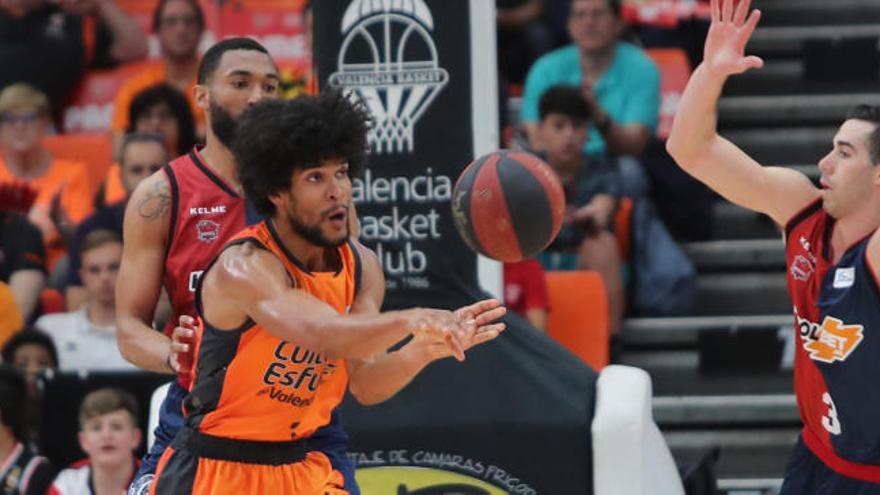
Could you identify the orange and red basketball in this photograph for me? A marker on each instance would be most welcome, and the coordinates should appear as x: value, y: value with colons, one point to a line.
x: 508, y: 205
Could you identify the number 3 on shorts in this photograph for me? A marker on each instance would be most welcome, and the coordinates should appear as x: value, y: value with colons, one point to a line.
x: 829, y: 421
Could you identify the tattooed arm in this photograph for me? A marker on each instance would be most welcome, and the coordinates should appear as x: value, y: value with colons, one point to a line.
x: 139, y: 282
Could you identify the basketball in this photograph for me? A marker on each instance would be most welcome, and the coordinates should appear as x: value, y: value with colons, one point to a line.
x: 508, y: 205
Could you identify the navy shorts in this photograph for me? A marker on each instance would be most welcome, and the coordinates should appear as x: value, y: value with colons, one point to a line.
x: 807, y: 474
x: 330, y: 439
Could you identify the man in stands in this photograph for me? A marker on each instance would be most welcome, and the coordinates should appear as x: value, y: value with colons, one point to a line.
x: 178, y: 25
x: 142, y: 155
x: 86, y: 338
x: 49, y: 44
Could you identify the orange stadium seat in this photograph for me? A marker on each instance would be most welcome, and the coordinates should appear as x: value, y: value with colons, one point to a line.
x: 675, y: 69
x: 94, y: 150
x: 10, y: 317
x: 578, y: 316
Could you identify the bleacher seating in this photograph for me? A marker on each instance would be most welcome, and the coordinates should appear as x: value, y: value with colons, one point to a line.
x: 578, y: 317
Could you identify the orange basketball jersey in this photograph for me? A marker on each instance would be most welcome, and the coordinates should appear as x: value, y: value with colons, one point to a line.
x: 251, y: 385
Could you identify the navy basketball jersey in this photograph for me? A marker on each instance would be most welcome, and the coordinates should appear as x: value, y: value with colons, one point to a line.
x: 837, y: 361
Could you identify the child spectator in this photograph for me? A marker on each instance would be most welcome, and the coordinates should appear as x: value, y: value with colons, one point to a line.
x: 22, y: 472
x: 591, y: 189
x: 109, y: 435
x: 86, y: 338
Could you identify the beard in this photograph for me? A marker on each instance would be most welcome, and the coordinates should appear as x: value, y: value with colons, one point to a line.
x: 223, y: 124
x: 313, y: 234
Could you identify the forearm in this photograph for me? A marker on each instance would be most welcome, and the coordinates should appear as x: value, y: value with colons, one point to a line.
x: 129, y: 42
x: 538, y: 318
x: 380, y: 379
x: 143, y: 346
x: 696, y: 121
x: 26, y: 286
x: 341, y: 336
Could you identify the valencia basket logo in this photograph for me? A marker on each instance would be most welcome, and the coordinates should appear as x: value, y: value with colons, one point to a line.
x: 388, y: 59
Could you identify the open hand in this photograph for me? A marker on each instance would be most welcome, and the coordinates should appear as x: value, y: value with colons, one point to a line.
x: 728, y: 34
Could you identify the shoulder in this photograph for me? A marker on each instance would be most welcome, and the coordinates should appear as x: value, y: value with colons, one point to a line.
x: 634, y: 58
x: 52, y: 322
x: 72, y: 479
x: 556, y: 59
x: 247, y: 265
x: 151, y: 198
x: 150, y: 74
x: 369, y: 260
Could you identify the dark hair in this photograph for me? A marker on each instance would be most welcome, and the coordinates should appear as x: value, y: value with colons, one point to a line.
x: 869, y: 113
x: 211, y: 58
x: 615, y: 5
x: 276, y: 137
x: 567, y: 100
x: 13, y: 392
x: 157, y: 13
x: 98, y: 238
x: 177, y: 103
x: 105, y: 401
x: 140, y: 137
x: 27, y: 336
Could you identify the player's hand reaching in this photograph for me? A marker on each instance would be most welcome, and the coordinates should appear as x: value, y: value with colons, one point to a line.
x: 728, y: 34
x: 468, y: 326
x: 182, y: 349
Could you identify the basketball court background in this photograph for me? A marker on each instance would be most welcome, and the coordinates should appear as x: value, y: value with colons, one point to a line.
x: 514, y: 417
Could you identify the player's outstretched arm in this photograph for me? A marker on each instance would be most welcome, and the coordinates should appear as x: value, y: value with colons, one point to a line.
x: 250, y: 282
x: 140, y: 275
x: 380, y: 377
x: 694, y: 141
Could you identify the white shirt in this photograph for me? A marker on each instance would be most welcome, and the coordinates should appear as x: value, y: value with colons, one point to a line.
x: 82, y: 345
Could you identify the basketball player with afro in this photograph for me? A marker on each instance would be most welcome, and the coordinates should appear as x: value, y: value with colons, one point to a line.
x: 290, y: 314
x: 833, y: 253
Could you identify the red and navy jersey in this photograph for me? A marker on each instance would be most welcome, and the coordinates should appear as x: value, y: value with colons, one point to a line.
x: 837, y: 309
x: 205, y: 213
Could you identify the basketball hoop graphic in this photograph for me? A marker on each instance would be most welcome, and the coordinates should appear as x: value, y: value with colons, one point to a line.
x: 389, y: 60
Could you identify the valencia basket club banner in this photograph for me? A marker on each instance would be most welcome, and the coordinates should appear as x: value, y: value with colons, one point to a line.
x: 515, y: 416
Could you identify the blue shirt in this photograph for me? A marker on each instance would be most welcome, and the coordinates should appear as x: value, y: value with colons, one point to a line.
x: 629, y: 90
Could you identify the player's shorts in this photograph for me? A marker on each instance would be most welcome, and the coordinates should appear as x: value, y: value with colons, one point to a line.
x: 807, y: 474
x: 330, y: 439
x: 202, y: 464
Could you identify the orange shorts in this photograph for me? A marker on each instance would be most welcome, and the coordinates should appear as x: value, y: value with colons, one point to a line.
x: 182, y: 472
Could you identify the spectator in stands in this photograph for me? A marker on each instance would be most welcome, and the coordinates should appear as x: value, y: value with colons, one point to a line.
x: 22, y: 471
x: 48, y: 44
x: 23, y: 260
x: 591, y: 186
x: 178, y: 25
x: 620, y: 82
x: 158, y: 109
x: 295, y: 82
x: 109, y: 435
x: 63, y: 194
x: 86, y: 338
x: 32, y: 352
x: 142, y: 155
x: 522, y: 37
x: 525, y: 292
x: 164, y: 109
